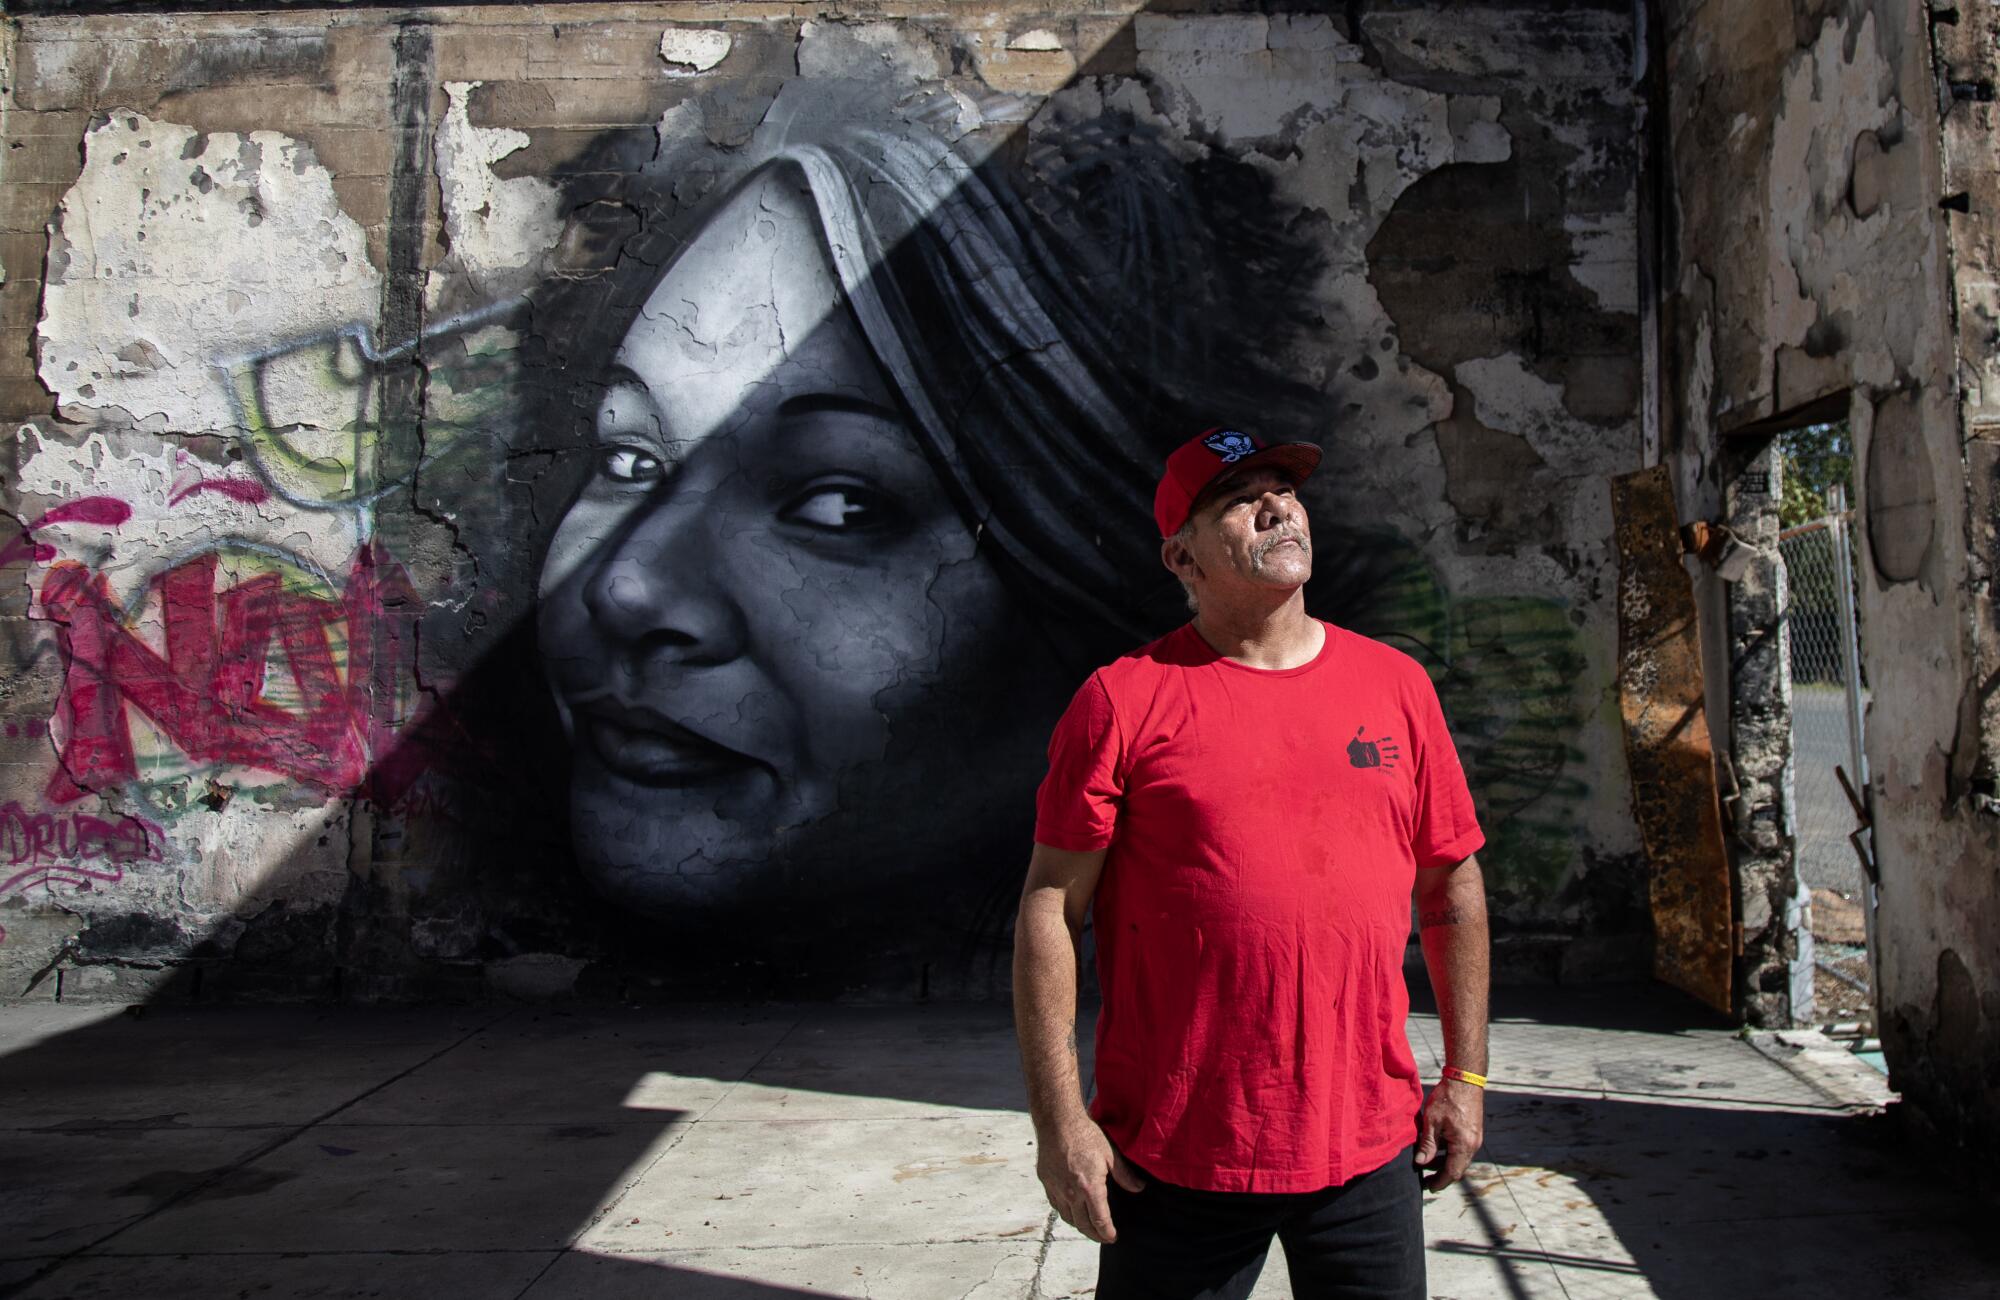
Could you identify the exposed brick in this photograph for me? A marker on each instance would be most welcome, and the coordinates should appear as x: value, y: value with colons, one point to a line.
x: 293, y: 110
x: 50, y: 74
x: 124, y: 72
x: 361, y: 49
x: 1035, y: 72
x: 17, y: 353
x: 23, y: 399
x: 48, y: 159
x: 365, y: 198
x: 595, y: 50
x: 22, y: 314
x: 28, y: 206
x: 23, y: 123
x: 572, y: 104
x: 552, y: 151
x: 1107, y: 46
x: 352, y: 151
x: 471, y: 54
x: 21, y: 253
x: 124, y: 984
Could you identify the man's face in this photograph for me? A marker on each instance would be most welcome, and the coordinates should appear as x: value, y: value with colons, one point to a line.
x: 1250, y: 529
x: 758, y: 607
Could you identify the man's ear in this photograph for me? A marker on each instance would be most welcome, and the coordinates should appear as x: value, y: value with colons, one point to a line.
x: 1180, y: 561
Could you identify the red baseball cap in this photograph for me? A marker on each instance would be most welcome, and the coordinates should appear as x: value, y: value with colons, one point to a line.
x: 1208, y: 455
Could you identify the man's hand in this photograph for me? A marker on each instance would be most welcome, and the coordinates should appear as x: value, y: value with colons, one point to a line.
x: 1449, y: 1131
x: 1451, y: 909
x: 1073, y: 1164
x: 1072, y: 1155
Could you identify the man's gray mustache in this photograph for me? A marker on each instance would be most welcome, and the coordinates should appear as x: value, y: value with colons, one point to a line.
x: 1263, y: 548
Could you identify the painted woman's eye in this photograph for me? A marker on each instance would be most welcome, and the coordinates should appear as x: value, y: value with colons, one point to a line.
x: 630, y: 465
x: 841, y: 507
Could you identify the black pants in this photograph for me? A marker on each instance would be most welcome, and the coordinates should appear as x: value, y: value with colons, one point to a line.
x: 1362, y: 1240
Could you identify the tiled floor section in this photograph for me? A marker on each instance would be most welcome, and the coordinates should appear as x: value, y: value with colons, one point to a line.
x: 768, y: 1152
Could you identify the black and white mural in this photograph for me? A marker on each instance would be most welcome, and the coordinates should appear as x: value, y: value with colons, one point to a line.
x: 873, y: 430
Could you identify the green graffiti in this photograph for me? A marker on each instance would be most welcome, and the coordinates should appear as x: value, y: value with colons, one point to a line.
x: 333, y: 422
x: 1506, y: 669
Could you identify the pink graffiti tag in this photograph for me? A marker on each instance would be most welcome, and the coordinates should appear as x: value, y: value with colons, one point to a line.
x: 248, y: 491
x: 206, y: 693
x: 106, y: 512
x: 75, y: 848
x: 62, y: 846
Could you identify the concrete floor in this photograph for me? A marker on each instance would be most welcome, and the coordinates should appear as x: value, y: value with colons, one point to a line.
x: 725, y: 1153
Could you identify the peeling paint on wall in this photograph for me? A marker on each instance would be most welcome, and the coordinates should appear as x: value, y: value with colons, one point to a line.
x: 138, y: 303
x: 499, y: 231
x: 1823, y: 250
x: 693, y: 49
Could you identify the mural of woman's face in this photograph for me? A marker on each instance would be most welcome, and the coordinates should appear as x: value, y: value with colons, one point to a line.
x: 780, y: 662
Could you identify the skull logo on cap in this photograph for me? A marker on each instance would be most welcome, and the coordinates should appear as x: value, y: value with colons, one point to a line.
x: 1229, y: 445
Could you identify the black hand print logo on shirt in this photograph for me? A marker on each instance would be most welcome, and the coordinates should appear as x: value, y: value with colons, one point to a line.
x: 1380, y: 752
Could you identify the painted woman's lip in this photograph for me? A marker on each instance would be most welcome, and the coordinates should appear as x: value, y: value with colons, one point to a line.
x: 649, y: 749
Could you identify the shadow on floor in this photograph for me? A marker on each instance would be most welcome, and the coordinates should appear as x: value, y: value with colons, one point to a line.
x: 336, y: 1152
x: 331, y: 1151
x: 1650, y: 1155
x: 1685, y: 1201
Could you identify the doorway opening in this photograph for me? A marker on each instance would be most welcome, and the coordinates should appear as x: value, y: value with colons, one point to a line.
x: 1829, y: 699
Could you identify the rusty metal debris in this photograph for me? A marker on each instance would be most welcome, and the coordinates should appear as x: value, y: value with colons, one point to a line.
x: 1667, y: 745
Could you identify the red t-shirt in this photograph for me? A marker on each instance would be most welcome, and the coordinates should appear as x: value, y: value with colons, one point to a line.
x: 1264, y: 829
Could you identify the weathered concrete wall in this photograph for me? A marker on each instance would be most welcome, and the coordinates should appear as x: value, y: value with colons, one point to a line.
x: 360, y: 642
x: 1823, y: 243
x: 1792, y: 293
x: 1941, y: 984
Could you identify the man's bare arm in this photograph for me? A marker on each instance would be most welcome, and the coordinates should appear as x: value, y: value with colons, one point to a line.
x: 1451, y: 921
x: 1073, y: 1157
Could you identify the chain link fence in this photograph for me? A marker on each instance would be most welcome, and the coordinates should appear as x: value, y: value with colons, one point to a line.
x: 1822, y: 737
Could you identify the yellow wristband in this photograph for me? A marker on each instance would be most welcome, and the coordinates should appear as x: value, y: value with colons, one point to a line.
x: 1463, y: 1076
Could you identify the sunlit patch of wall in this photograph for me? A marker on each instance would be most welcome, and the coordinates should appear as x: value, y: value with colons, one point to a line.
x: 315, y: 314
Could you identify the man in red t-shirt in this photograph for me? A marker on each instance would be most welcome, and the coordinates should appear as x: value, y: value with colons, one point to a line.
x: 1246, y: 808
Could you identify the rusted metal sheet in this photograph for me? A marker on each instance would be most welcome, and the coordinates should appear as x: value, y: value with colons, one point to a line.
x: 1667, y: 743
